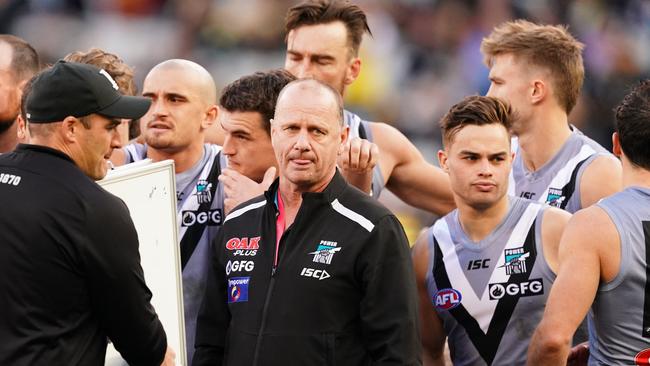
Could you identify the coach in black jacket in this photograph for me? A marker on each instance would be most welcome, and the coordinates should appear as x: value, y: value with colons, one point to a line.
x: 337, y: 287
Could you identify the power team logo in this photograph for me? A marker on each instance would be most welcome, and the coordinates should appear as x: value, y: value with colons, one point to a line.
x: 203, y: 194
x: 243, y: 246
x: 555, y: 197
x: 447, y: 299
x: 642, y: 358
x: 515, y: 261
x: 238, y: 289
x: 325, y: 252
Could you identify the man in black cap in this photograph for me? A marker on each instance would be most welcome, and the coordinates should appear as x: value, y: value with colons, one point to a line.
x: 70, y: 273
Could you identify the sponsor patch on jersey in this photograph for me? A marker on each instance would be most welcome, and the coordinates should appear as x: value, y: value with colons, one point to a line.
x: 209, y: 217
x: 243, y: 246
x: 515, y: 261
x: 555, y: 197
x: 447, y: 299
x: 239, y: 266
x: 531, y: 287
x: 325, y: 251
x: 319, y: 274
x: 238, y: 289
x: 203, y: 194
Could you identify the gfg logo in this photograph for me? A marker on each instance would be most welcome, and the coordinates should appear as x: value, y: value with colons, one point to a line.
x: 521, y: 289
x: 447, y: 298
x: 210, y: 217
x: 235, y: 266
x: 319, y: 274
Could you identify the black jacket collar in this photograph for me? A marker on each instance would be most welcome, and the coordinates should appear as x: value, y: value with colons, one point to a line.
x: 43, y: 149
x: 329, y: 194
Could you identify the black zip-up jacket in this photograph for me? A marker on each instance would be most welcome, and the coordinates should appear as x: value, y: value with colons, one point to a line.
x: 70, y: 273
x: 343, y: 292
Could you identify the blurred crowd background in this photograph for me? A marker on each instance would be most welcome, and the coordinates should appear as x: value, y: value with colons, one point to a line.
x: 423, y: 56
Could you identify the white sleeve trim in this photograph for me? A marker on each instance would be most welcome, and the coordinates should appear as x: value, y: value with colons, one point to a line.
x: 365, y: 223
x: 243, y: 210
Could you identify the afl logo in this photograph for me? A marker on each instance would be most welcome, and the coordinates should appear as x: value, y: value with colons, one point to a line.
x: 447, y: 299
x: 642, y: 358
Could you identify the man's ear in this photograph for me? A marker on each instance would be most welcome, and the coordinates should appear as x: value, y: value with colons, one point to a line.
x: 69, y: 129
x: 210, y: 117
x: 538, y: 91
x: 353, y: 70
x: 616, y: 145
x: 442, y: 159
x: 345, y: 134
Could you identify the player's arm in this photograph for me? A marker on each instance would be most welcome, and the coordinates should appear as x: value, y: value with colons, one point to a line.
x: 554, y: 222
x: 410, y: 177
x: 388, y: 306
x: 602, y: 178
x: 589, y: 239
x: 431, y: 331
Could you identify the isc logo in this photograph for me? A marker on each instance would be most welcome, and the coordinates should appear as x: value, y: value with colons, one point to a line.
x: 319, y: 274
x: 447, y: 298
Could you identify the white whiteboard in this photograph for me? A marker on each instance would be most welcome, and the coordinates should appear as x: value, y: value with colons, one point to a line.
x: 149, y: 191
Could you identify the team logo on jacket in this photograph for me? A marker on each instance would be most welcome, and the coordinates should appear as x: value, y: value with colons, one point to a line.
x: 238, y: 289
x: 515, y: 261
x: 325, y: 252
x: 447, y: 299
x: 555, y: 197
x: 203, y: 194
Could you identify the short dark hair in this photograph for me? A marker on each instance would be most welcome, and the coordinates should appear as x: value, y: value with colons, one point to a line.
x: 327, y: 11
x: 475, y: 110
x: 633, y: 125
x: 256, y: 93
x: 24, y: 59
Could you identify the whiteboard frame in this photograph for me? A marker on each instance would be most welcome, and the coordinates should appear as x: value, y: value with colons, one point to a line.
x: 137, y: 170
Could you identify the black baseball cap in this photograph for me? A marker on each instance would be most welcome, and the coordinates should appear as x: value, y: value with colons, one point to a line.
x: 76, y: 89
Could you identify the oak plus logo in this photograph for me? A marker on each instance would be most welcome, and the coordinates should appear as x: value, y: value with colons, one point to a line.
x: 243, y: 246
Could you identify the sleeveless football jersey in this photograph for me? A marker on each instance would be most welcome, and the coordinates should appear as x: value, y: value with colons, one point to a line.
x: 490, y: 295
x: 200, y: 215
x: 619, y: 320
x: 557, y: 182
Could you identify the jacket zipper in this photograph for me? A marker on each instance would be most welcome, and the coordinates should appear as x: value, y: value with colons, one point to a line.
x: 267, y: 300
